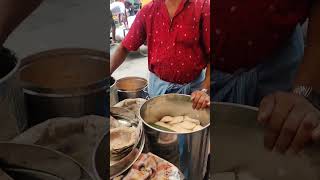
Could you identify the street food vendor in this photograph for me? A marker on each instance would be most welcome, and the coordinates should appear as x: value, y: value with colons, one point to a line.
x: 260, y: 54
x: 178, y: 37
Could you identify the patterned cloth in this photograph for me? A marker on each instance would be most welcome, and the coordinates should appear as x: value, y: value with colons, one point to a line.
x: 250, y: 86
x: 247, y: 32
x: 178, y: 48
x: 159, y: 87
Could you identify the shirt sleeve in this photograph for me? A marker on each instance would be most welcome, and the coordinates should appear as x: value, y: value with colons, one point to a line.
x: 205, y: 27
x: 137, y: 33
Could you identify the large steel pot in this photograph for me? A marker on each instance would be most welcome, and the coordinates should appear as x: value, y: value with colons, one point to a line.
x: 132, y: 87
x: 239, y: 147
x: 12, y: 107
x: 188, y: 151
x: 65, y: 82
x: 33, y: 162
x: 113, y: 92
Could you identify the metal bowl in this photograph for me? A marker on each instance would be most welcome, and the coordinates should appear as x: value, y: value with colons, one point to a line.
x: 132, y: 87
x: 188, y: 151
x: 239, y: 147
x: 21, y: 160
x: 171, y: 105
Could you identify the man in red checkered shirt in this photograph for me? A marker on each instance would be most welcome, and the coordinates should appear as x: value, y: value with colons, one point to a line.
x: 178, y: 37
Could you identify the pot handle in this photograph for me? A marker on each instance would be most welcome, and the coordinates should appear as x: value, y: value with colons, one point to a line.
x: 145, y: 91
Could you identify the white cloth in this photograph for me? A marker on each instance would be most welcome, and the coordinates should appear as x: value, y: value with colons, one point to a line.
x: 117, y: 8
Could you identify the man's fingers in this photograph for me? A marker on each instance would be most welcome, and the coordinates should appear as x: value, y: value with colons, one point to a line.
x: 266, y: 108
x: 195, y: 100
x: 200, y: 102
x: 282, y: 107
x: 205, y: 103
x: 193, y: 95
x: 289, y: 129
x: 304, y: 133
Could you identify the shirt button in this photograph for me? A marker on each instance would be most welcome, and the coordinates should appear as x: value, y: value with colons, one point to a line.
x: 233, y: 9
x: 272, y: 8
x: 218, y: 31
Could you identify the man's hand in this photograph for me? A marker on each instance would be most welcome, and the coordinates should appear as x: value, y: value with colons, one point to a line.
x: 291, y: 122
x: 200, y: 100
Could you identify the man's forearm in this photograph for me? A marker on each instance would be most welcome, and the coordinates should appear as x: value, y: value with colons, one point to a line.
x: 12, y: 13
x: 309, y: 73
x: 118, y: 57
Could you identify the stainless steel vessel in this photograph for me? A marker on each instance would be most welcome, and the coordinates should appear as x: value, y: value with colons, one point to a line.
x: 113, y: 92
x: 239, y: 147
x: 65, y: 82
x: 188, y: 151
x: 12, y: 108
x: 132, y: 87
x: 23, y: 162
